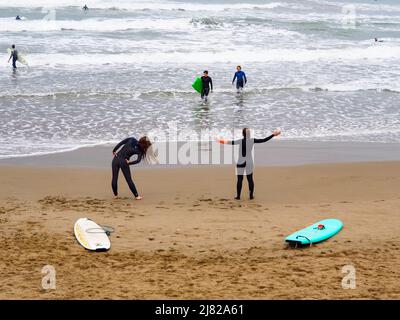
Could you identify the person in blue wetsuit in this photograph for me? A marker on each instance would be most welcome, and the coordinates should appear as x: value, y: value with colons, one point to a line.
x: 240, y: 78
x: 128, y: 147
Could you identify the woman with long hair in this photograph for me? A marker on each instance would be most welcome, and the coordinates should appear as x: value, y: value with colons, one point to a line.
x: 245, y: 163
x: 128, y: 148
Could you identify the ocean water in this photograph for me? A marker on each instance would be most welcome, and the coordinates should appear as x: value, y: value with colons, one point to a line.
x: 125, y: 67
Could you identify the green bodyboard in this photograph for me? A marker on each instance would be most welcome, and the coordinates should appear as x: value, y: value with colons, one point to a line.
x: 197, y: 85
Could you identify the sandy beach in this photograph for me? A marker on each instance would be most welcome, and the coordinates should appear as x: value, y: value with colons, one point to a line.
x: 315, y: 83
x: 189, y: 239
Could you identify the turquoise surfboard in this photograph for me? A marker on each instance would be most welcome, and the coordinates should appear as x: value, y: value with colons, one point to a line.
x: 197, y: 85
x: 315, y: 233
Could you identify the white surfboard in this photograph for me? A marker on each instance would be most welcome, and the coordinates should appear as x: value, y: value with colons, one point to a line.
x: 20, y: 58
x: 91, y: 236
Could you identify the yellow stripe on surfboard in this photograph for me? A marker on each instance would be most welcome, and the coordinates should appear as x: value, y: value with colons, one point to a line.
x: 81, y: 236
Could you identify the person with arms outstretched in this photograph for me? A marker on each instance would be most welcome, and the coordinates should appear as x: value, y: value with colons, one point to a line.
x: 240, y: 78
x: 128, y: 148
x: 245, y: 163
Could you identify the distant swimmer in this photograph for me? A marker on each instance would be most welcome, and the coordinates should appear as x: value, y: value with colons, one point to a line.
x: 245, y: 162
x: 129, y: 147
x: 18, y: 18
x: 377, y: 40
x: 206, y: 85
x: 85, y: 7
x: 13, y: 56
x: 240, y: 78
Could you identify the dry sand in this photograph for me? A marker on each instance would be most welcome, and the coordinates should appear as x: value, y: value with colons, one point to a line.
x: 189, y: 239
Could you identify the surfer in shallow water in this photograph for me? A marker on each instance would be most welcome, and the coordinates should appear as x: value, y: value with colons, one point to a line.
x: 245, y: 163
x: 13, y: 56
x: 128, y: 148
x: 240, y: 78
x: 206, y: 85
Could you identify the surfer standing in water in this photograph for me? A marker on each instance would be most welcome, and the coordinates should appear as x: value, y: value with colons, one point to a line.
x: 240, y: 78
x: 13, y: 56
x: 130, y: 147
x: 207, y: 84
x: 245, y: 163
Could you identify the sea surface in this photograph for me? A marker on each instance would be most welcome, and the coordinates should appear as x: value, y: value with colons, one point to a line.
x: 125, y: 68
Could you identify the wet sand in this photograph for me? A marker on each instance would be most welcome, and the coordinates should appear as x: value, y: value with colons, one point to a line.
x: 277, y: 152
x: 189, y: 239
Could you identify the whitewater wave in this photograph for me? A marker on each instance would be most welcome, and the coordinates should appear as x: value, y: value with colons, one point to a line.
x: 134, y: 94
x: 142, y: 5
x: 200, y: 57
x: 375, y: 7
x: 95, y: 25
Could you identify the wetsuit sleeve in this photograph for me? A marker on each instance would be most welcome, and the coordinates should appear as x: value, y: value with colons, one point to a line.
x: 263, y: 140
x: 234, y: 77
x: 222, y: 141
x: 211, y: 84
x: 119, y: 145
x: 138, y: 159
x: 245, y: 78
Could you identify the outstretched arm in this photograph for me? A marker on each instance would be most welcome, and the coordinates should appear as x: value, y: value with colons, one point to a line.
x: 264, y: 140
x: 274, y: 134
x: 119, y: 145
x: 233, y: 142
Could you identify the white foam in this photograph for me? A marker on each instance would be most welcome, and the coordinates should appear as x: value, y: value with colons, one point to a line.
x: 242, y: 55
x: 96, y: 25
x: 141, y: 5
x: 377, y: 6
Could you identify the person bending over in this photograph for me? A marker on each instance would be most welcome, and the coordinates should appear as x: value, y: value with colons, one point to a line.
x: 128, y: 148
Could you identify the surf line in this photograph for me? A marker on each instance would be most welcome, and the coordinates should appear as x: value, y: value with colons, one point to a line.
x: 165, y: 310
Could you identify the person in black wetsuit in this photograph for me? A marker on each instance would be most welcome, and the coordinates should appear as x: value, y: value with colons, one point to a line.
x: 245, y: 163
x: 129, y: 147
x: 206, y: 85
x: 14, y: 56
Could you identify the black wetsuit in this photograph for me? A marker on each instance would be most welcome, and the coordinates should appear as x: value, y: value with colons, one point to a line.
x: 14, y: 54
x: 130, y: 147
x: 245, y: 163
x: 207, y: 83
